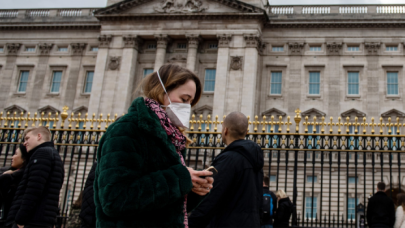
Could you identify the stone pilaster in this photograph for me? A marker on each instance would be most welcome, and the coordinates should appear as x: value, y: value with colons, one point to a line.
x: 6, y: 80
x: 193, y: 42
x: 13, y: 48
x: 221, y: 75
x: 44, y: 48
x: 36, y: 94
x: 72, y: 81
x: 162, y: 41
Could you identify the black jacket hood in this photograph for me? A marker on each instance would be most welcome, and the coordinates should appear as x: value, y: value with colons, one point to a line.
x: 248, y: 149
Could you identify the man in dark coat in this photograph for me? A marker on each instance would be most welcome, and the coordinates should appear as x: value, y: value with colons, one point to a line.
x: 380, y: 209
x: 36, y: 201
x: 267, y: 218
x: 236, y: 198
x: 88, y: 211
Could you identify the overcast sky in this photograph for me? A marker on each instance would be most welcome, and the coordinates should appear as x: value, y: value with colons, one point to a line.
x: 29, y: 4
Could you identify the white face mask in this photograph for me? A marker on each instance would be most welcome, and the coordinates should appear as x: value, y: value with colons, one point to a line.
x: 179, y: 113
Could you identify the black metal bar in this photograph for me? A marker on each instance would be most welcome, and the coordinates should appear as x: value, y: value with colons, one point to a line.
x: 338, y: 197
x: 313, y: 186
x: 365, y: 183
x: 303, y: 191
x: 347, y: 186
x: 278, y: 168
x: 330, y: 186
x: 399, y: 170
x: 286, y: 170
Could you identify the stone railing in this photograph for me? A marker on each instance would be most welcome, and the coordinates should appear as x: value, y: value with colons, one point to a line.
x: 41, y: 13
x: 338, y: 9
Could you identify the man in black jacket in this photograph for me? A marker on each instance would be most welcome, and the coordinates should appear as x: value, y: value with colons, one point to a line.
x: 88, y: 211
x: 236, y: 198
x: 267, y: 216
x: 380, y: 209
x: 36, y: 201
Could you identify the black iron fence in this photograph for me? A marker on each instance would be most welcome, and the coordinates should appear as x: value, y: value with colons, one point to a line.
x: 329, y: 170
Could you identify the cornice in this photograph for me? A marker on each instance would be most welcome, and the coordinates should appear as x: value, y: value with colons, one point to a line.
x: 51, y: 27
x: 291, y: 25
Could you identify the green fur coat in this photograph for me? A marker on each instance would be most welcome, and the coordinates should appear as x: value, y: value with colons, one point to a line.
x: 140, y: 181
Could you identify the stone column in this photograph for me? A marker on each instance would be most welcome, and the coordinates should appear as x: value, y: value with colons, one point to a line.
x: 126, y: 76
x: 7, y: 74
x: 193, y: 41
x: 221, y: 75
x: 99, y: 73
x: 162, y: 41
x: 250, y: 74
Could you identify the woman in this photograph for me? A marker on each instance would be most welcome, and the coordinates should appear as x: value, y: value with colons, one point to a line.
x: 400, y: 214
x: 10, y: 179
x: 284, y: 210
x: 141, y: 177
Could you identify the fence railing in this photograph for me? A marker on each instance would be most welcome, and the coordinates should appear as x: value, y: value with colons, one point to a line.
x: 327, y: 168
x: 338, y: 9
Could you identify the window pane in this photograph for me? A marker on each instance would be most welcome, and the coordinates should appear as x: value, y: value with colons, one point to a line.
x: 353, y: 83
x: 310, y: 209
x: 353, y: 48
x: 89, y: 82
x: 278, y: 49
x: 392, y: 83
x: 56, y: 79
x: 273, y: 178
x: 1, y: 49
x: 209, y: 80
x: 391, y: 48
x: 213, y: 46
x: 30, y: 49
x: 146, y: 72
x: 22, y: 87
x: 276, y: 82
x: 181, y: 45
x: 314, y: 82
x: 351, y: 207
x: 63, y: 49
x: 315, y: 48
x: 94, y: 49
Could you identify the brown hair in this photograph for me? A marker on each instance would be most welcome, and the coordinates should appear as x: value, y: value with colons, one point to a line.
x: 78, y: 203
x: 172, y: 76
x: 266, y: 180
x: 381, y: 186
x: 401, y: 200
x: 44, y: 131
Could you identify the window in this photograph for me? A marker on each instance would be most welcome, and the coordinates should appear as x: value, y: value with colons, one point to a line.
x: 1, y: 49
x: 81, y: 125
x: 310, y: 209
x: 22, y: 84
x: 277, y: 48
x: 63, y: 49
x: 314, y: 82
x: 151, y: 46
x: 315, y: 48
x: 311, y: 179
x: 30, y: 49
x: 392, y: 83
x: 311, y: 128
x: 209, y: 80
x: 89, y: 82
x: 275, y: 128
x: 276, y: 83
x: 353, y: 48
x: 351, y: 208
x: 391, y: 48
x: 181, y: 45
x: 95, y: 49
x: 353, y: 83
x: 353, y: 180
x: 273, y: 178
x: 213, y: 46
x: 56, y: 80
x: 147, y: 72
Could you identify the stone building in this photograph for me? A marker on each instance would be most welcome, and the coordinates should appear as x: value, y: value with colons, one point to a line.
x: 328, y: 61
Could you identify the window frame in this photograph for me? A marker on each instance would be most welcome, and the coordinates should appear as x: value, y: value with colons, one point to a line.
x: 388, y: 84
x: 389, y: 46
x: 85, y: 82
x: 308, y: 198
x: 52, y: 81
x: 355, y: 204
x: 398, y: 70
x: 313, y: 46
x: 205, y: 79
x: 349, y: 47
x: 319, y: 84
x: 19, y: 81
x: 360, y: 70
x: 280, y: 83
x: 274, y: 48
x: 27, y: 49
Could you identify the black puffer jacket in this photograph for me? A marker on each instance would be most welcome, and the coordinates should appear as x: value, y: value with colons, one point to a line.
x: 88, y: 212
x: 380, y: 211
x: 236, y: 199
x: 36, y: 200
x: 8, y: 188
x: 283, y: 213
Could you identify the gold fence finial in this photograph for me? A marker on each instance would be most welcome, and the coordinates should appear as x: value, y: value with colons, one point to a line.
x: 6, y: 119
x: 70, y: 120
x: 93, y: 119
x: 314, y: 124
x: 381, y: 125
x: 255, y: 123
x: 364, y: 125
x: 192, y: 122
x: 389, y: 125
x: 306, y: 123
x: 56, y: 120
x: 372, y: 125
x: 216, y: 122
x: 288, y: 123
x: 64, y: 115
x: 323, y: 124
x: 108, y: 120
x: 99, y: 121
x: 28, y: 119
x: 280, y: 124
x: 199, y: 122
x: 272, y: 124
x: 208, y: 123
x: 339, y: 124
x: 356, y: 124
x: 347, y: 124
x: 263, y: 123
x: 21, y: 119
x: 249, y: 123
x: 297, y: 120
x: 13, y: 119
x: 34, y: 120
x: 331, y: 124
x: 398, y: 125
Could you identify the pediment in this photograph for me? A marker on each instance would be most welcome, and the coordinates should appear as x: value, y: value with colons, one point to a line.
x: 48, y: 109
x: 393, y: 113
x: 353, y: 113
x: 134, y: 7
x: 202, y: 109
x: 81, y: 109
x: 15, y: 108
x: 274, y: 112
x: 313, y: 112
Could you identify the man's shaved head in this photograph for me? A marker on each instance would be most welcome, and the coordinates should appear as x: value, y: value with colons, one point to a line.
x: 237, y: 125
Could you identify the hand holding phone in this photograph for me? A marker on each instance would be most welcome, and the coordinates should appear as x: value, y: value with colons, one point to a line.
x: 211, y: 169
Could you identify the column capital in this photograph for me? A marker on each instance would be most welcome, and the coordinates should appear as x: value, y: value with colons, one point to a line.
x: 223, y: 40
x: 162, y: 40
x: 78, y: 48
x: 296, y: 48
x: 333, y: 48
x: 132, y: 41
x: 193, y: 40
x: 372, y: 47
x: 104, y: 41
x: 12, y: 48
x: 44, y: 48
x: 252, y: 40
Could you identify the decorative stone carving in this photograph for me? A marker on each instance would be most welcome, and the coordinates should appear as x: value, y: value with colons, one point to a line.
x: 296, y: 48
x: 181, y: 6
x: 114, y: 63
x: 78, y: 48
x: 252, y: 40
x: 193, y: 40
x: 44, y: 48
x: 333, y: 48
x: 262, y: 47
x: 313, y: 112
x: 132, y: 41
x: 104, y: 40
x: 236, y: 62
x: 162, y: 40
x: 353, y: 112
x: 223, y: 40
x: 13, y: 48
x: 372, y: 47
x: 177, y: 59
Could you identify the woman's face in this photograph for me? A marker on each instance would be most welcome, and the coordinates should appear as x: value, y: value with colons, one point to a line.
x: 17, y: 160
x: 182, y: 94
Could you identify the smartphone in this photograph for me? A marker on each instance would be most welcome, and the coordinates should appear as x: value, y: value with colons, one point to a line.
x: 211, y: 169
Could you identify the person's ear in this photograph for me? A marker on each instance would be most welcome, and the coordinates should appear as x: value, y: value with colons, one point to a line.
x: 225, y: 131
x: 39, y: 137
